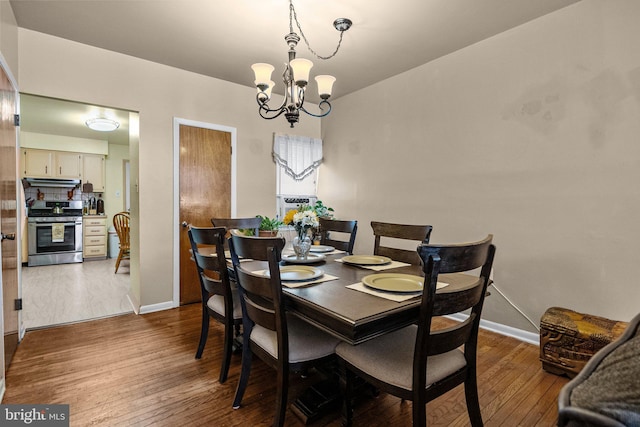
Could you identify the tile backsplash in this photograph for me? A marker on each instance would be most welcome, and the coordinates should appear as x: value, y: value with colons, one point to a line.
x: 53, y: 193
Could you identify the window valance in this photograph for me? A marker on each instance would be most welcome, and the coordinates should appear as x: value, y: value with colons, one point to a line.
x: 299, y: 156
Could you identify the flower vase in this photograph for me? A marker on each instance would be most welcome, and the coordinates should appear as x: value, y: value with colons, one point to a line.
x: 301, y: 247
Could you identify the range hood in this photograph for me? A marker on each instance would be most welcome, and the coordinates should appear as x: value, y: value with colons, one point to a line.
x: 52, y: 182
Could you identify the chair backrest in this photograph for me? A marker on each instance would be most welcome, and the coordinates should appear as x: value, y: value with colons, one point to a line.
x: 252, y: 223
x: 121, y: 224
x: 442, y: 259
x: 207, y: 247
x: 338, y: 226
x: 260, y: 295
x: 419, y: 233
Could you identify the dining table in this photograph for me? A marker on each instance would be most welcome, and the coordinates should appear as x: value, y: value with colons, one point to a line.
x: 336, y: 300
x: 338, y: 303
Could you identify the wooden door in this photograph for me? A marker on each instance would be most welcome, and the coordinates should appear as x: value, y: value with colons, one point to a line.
x: 8, y: 217
x: 205, y: 192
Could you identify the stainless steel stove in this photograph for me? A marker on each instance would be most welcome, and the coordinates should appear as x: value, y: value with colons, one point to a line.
x: 54, y: 230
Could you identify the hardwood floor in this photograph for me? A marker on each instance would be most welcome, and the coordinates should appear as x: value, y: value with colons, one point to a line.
x: 140, y: 371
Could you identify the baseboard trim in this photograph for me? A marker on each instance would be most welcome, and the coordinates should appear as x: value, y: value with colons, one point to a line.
x: 144, y: 309
x: 519, y: 334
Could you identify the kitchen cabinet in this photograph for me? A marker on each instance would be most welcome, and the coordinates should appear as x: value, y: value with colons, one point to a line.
x: 51, y: 164
x: 94, y: 171
x: 68, y: 165
x: 94, y: 232
x: 37, y: 163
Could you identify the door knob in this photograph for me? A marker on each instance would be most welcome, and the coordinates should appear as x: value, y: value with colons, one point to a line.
x: 10, y: 236
x: 184, y: 224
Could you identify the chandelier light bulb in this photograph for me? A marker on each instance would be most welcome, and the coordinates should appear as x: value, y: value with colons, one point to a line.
x: 325, y: 85
x: 265, y: 95
x: 301, y: 68
x: 263, y: 73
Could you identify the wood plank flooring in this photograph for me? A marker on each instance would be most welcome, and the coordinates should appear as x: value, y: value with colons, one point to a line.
x: 140, y: 371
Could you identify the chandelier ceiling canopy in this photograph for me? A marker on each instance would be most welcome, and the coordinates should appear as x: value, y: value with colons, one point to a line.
x: 295, y: 77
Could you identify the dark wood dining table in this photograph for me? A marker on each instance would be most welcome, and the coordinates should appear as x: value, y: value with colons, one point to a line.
x: 355, y: 316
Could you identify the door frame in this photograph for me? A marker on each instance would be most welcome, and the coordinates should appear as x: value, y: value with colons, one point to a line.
x: 19, y: 202
x: 176, y: 189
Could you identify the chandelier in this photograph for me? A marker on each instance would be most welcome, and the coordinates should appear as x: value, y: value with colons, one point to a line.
x: 295, y: 77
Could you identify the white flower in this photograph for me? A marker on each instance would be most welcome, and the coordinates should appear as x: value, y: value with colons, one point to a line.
x: 305, y: 219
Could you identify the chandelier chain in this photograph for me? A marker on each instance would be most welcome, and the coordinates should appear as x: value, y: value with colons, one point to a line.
x: 294, y: 16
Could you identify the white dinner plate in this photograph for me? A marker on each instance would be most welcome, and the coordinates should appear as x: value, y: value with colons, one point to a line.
x: 366, y: 260
x: 297, y: 273
x: 394, y: 282
x: 311, y: 259
x: 321, y: 248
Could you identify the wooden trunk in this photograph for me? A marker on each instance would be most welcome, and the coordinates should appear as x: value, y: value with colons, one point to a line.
x: 568, y: 339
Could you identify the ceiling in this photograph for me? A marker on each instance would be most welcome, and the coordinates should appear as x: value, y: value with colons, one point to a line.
x: 67, y: 118
x: 222, y: 38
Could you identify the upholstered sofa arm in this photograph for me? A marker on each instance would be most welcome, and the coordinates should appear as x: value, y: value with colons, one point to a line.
x: 607, y: 391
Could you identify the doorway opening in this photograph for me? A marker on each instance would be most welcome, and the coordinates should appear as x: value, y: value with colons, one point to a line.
x: 64, y: 293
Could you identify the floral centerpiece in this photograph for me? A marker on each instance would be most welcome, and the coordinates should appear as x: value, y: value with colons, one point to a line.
x: 304, y: 220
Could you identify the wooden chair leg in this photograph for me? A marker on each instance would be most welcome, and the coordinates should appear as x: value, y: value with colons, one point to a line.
x: 281, y: 397
x: 118, y: 260
x: 473, y: 403
x: 226, y: 351
x: 419, y: 410
x: 247, y: 355
x: 204, y: 332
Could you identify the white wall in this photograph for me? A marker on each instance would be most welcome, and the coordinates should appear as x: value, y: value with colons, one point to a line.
x: 532, y: 136
x: 55, y: 67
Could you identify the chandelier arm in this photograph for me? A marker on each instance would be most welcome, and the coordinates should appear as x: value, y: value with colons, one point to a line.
x: 264, y: 106
x: 292, y: 12
x: 265, y: 116
x: 324, y: 113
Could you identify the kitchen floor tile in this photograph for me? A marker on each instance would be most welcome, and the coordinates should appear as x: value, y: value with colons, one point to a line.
x: 64, y: 293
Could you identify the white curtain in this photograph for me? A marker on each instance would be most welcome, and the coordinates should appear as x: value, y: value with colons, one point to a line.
x: 299, y: 156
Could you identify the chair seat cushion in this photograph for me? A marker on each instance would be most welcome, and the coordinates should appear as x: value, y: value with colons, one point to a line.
x: 390, y: 358
x: 306, y: 342
x: 216, y: 303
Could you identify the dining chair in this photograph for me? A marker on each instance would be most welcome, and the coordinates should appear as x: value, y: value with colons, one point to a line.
x: 416, y: 363
x: 121, y: 224
x: 219, y: 300
x: 420, y: 233
x: 282, y: 341
x: 251, y: 223
x: 328, y: 225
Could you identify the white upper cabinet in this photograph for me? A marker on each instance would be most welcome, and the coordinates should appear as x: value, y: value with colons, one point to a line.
x: 51, y: 164
x: 94, y: 171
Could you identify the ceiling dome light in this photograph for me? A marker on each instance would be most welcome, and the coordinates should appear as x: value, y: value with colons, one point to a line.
x: 103, y: 125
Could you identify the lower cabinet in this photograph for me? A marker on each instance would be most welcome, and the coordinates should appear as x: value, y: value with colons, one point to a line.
x: 94, y: 232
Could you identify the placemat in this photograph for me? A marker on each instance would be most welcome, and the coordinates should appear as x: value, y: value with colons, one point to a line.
x: 392, y: 264
x: 387, y: 295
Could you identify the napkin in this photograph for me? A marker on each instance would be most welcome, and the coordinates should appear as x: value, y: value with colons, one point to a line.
x: 392, y: 264
x: 300, y: 283
x: 387, y: 295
